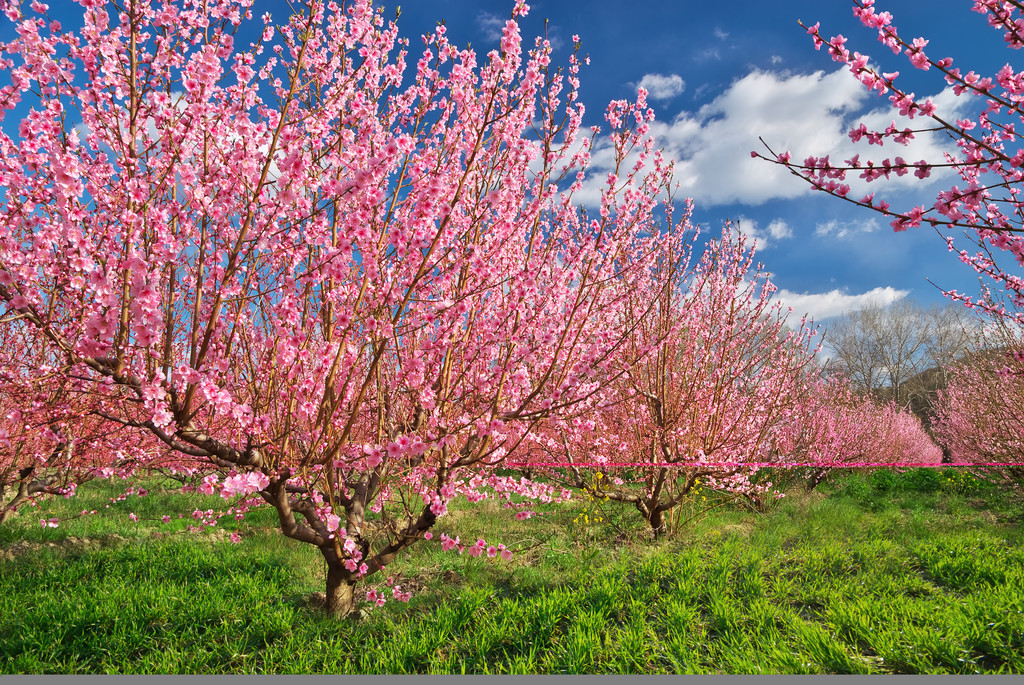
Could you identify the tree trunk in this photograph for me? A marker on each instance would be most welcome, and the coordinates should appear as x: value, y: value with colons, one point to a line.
x: 654, y: 516
x: 816, y: 479
x: 657, y: 522
x: 341, y: 595
x: 10, y: 510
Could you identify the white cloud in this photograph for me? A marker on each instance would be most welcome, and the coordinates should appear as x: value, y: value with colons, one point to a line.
x: 491, y: 25
x: 837, y: 229
x: 776, y: 230
x: 819, y: 306
x: 779, y: 229
x: 720, y: 34
x: 805, y: 114
x: 661, y: 86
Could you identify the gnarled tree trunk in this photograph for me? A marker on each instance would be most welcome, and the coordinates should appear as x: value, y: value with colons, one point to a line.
x: 341, y: 589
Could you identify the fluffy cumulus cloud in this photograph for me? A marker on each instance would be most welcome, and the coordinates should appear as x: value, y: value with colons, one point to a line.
x: 661, y: 86
x: 779, y: 229
x: 491, y: 24
x: 820, y: 306
x: 712, y: 146
x: 806, y: 114
x: 766, y: 237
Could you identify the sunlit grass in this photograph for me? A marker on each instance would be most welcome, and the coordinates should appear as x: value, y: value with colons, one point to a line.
x: 877, y: 574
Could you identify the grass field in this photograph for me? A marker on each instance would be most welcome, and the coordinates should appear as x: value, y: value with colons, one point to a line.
x: 919, y: 572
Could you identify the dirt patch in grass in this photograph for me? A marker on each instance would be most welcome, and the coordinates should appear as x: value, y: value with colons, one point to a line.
x: 81, y: 545
x: 69, y: 545
x: 988, y: 517
x: 802, y: 499
x: 742, y: 530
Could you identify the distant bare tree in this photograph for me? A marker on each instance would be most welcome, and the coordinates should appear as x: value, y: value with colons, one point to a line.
x: 952, y: 331
x: 902, y: 340
x: 852, y: 344
x: 900, y: 351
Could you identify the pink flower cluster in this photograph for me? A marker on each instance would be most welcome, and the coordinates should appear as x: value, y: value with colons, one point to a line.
x: 476, y: 549
x: 244, y: 484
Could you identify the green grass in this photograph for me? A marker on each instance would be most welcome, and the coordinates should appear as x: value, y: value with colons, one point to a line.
x: 897, y: 573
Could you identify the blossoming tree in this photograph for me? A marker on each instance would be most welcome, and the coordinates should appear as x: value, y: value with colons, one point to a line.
x: 350, y: 291
x: 978, y: 415
x: 51, y: 438
x: 707, y: 406
x: 836, y: 428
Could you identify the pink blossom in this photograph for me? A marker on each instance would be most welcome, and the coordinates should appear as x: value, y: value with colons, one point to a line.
x: 374, y: 456
x: 209, y: 484
x: 333, y: 522
x: 244, y: 484
x: 447, y: 543
x: 916, y: 54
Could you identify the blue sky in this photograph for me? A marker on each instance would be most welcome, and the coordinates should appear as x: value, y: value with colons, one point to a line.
x: 723, y: 73
x: 720, y: 75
